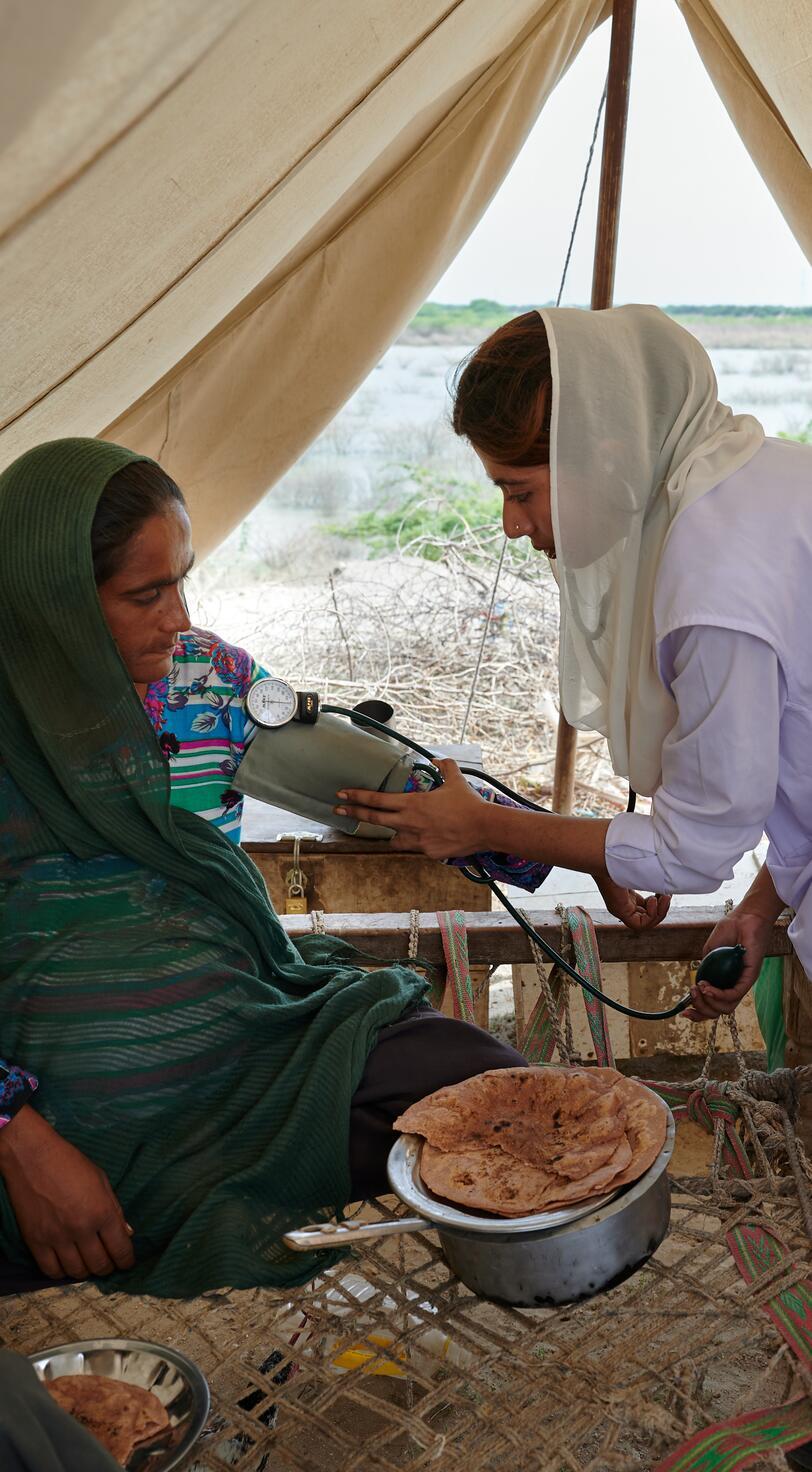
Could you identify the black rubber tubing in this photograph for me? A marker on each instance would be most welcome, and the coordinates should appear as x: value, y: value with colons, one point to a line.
x: 476, y: 873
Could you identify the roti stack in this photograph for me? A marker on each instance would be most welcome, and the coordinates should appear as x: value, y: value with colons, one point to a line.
x: 119, y: 1415
x: 516, y: 1141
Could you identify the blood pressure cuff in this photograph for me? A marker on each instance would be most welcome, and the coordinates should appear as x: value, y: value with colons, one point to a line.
x: 301, y: 768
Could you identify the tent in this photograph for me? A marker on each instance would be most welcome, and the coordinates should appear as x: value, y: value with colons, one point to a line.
x: 215, y: 215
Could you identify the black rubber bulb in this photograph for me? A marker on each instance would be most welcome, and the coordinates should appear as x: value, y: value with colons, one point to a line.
x: 722, y: 967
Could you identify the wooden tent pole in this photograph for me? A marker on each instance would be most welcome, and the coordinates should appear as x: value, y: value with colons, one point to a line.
x: 614, y: 143
x: 603, y: 281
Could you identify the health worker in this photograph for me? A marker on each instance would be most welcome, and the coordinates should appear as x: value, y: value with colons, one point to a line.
x: 680, y: 538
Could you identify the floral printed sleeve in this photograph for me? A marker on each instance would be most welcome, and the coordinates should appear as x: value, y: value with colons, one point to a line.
x: 505, y: 868
x: 17, y: 1086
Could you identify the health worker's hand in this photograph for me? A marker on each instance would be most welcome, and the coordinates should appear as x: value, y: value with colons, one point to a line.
x: 740, y: 928
x: 445, y: 824
x: 627, y: 905
x: 68, y: 1216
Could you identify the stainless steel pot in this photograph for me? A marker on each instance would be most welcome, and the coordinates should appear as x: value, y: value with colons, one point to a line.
x: 533, y: 1261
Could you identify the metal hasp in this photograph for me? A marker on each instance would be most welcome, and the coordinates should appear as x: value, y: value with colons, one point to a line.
x: 603, y: 282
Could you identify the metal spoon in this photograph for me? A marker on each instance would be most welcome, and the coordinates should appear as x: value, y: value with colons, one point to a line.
x: 337, y: 1234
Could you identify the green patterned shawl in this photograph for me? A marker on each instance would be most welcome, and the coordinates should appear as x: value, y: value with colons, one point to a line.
x: 181, y: 1041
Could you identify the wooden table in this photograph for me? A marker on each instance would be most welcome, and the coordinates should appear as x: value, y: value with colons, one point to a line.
x: 346, y: 875
x: 648, y: 969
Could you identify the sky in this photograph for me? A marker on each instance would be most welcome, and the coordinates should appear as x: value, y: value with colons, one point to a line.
x: 697, y: 222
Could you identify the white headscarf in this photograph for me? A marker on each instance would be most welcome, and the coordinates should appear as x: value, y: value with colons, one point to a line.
x: 637, y: 435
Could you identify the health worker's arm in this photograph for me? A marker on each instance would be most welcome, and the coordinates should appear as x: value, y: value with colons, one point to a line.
x: 454, y: 821
x: 749, y: 925
x: 720, y: 765
x: 720, y: 772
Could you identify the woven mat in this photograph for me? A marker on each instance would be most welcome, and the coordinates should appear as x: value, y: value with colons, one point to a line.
x: 389, y: 1362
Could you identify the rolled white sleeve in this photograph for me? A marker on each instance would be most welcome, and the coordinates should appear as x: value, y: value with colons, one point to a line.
x: 720, y: 766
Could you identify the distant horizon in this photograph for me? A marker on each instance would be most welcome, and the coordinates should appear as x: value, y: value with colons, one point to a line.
x: 708, y: 309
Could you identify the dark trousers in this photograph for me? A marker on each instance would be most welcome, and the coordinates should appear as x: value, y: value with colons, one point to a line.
x: 414, y: 1056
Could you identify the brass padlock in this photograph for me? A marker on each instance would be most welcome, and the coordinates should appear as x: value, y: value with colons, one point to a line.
x: 296, y: 902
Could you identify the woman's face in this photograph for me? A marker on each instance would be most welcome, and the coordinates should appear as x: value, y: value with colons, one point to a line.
x: 527, y: 511
x: 143, y: 601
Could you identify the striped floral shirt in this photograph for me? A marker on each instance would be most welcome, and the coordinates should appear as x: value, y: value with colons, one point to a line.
x: 198, y: 714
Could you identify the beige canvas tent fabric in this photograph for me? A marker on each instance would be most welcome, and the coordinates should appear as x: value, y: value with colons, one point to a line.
x: 759, y: 56
x: 213, y: 285
x: 216, y: 214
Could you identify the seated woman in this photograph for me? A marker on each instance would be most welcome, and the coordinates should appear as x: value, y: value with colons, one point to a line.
x: 182, y: 1084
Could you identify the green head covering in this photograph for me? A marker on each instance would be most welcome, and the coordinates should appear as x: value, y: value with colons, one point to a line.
x: 73, y: 732
x: 67, y: 705
x: 181, y: 1040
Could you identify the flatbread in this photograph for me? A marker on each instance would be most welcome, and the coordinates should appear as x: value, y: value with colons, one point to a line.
x: 119, y: 1415
x: 495, y: 1182
x: 485, y: 1180
x: 646, y: 1129
x: 517, y: 1141
x: 598, y: 1183
x: 533, y: 1114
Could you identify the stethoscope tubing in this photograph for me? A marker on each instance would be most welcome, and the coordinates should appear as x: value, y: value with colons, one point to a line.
x: 475, y: 872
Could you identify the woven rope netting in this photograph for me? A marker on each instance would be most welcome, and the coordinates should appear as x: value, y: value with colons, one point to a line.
x: 389, y: 1362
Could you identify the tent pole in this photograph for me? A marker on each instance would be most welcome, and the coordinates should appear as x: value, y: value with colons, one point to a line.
x: 603, y: 281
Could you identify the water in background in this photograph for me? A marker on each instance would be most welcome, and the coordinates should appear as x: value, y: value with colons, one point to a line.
x: 399, y: 419
x: 775, y: 384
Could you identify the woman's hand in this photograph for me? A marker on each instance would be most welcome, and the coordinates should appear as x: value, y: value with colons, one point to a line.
x: 445, y: 824
x: 68, y: 1216
x: 741, y: 927
x: 630, y: 907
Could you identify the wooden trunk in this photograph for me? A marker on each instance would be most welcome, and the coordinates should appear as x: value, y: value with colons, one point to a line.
x: 345, y: 875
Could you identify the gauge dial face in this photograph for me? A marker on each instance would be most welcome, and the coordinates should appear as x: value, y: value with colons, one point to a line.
x: 271, y: 702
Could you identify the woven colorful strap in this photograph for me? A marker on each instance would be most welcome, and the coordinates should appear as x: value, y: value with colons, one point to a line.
x: 737, y: 1443
x: 538, y: 1041
x: 458, y: 971
x: 587, y: 960
x: 757, y: 1250
x: 744, y: 1440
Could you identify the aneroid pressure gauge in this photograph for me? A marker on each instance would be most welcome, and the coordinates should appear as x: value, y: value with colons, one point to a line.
x: 273, y: 702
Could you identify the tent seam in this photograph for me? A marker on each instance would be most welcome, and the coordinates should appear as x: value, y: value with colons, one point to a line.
x: 70, y: 179
x: 234, y: 224
x: 237, y: 317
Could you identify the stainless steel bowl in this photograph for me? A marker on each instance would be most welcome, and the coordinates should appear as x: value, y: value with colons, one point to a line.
x: 176, y: 1381
x: 403, y: 1170
x: 537, y: 1261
